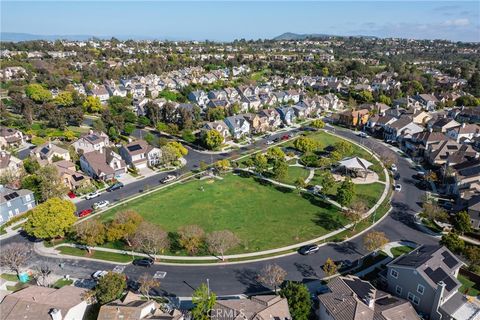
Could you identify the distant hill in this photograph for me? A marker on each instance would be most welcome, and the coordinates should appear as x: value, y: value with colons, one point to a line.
x: 296, y: 36
x: 17, y: 37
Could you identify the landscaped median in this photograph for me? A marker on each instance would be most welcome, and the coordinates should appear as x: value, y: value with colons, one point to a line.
x: 268, y: 219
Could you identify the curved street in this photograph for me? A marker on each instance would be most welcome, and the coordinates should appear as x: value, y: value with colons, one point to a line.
x: 241, y: 278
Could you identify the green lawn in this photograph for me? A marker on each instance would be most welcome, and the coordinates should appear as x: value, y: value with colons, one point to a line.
x: 62, y: 283
x: 469, y: 287
x: 9, y: 277
x: 398, y: 251
x: 102, y: 255
x: 293, y: 174
x: 260, y: 215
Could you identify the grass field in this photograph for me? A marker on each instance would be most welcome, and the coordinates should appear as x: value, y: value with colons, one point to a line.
x: 398, y: 251
x: 260, y: 215
x: 293, y: 174
x: 102, y: 255
x: 468, y: 286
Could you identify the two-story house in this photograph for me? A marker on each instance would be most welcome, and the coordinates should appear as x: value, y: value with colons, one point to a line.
x: 427, y: 277
x: 14, y: 202
x: 50, y: 152
x: 257, y: 124
x: 238, y: 125
x: 273, y: 118
x: 464, y: 133
x: 9, y: 163
x: 287, y: 114
x: 354, y: 118
x: 10, y: 137
x: 105, y: 164
x: 140, y: 154
x: 92, y: 141
x: 402, y: 128
x: 220, y: 126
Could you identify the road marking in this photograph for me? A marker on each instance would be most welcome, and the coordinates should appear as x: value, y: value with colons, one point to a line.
x: 159, y: 275
x: 118, y: 269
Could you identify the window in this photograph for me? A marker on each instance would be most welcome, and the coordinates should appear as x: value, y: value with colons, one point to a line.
x: 29, y: 206
x: 10, y: 213
x: 420, y: 289
x: 413, y: 298
x: 27, y: 197
x: 9, y: 204
x: 394, y: 273
x: 398, y: 290
x: 17, y: 211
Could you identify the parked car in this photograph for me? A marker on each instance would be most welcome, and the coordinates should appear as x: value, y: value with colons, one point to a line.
x: 308, y: 249
x: 92, y: 195
x: 101, y: 204
x: 168, y: 179
x: 84, y: 213
x: 143, y: 262
x: 99, y: 274
x: 115, y: 186
x: 363, y: 135
x: 276, y: 139
x: 398, y: 187
x: 393, y: 167
x: 396, y: 176
x: 269, y: 142
x: 285, y: 137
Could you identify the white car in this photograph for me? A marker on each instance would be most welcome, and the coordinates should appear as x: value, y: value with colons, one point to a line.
x: 269, y: 142
x: 398, y: 187
x: 363, y: 135
x: 99, y: 274
x: 393, y: 167
x: 101, y: 204
x: 168, y: 179
x: 92, y: 195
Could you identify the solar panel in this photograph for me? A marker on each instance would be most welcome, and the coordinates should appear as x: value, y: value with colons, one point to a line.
x: 440, y: 275
x: 11, y: 196
x: 45, y: 150
x: 449, y: 260
x: 135, y: 147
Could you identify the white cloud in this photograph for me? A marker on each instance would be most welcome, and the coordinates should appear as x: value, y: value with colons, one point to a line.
x: 462, y: 22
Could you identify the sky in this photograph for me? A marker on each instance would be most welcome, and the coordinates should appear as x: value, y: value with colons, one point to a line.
x: 229, y: 20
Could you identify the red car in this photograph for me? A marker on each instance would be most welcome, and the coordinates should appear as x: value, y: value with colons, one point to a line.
x: 84, y: 213
x: 285, y: 137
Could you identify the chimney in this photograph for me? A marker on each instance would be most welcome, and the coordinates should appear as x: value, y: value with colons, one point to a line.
x: 463, y: 125
x: 56, y: 314
x: 90, y: 131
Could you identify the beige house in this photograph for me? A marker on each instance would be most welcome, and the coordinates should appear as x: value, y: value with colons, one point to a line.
x: 49, y: 152
x: 70, y: 176
x: 93, y: 141
x: 10, y: 137
x: 257, y: 124
x: 9, y: 163
x: 103, y: 165
x: 421, y: 117
x: 257, y: 307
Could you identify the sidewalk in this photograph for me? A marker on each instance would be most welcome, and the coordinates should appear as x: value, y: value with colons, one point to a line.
x: 10, y: 231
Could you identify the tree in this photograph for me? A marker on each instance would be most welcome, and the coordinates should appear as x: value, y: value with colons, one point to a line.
x: 110, y: 287
x: 319, y: 124
x: 462, y: 223
x: 92, y: 104
x: 219, y: 242
x: 275, y: 154
x: 327, y: 182
x: 453, y: 242
x: 346, y: 192
x: 42, y: 275
x: 300, y: 184
x: 147, y: 282
x: 344, y: 148
x: 212, y: 139
x: 179, y: 149
x: 298, y: 298
x: 375, y: 240
x: 355, y: 212
x: 280, y: 170
x: 31, y: 165
x: 51, y: 219
x: 64, y: 99
x: 272, y: 276
x: 434, y: 212
x: 15, y: 256
x: 150, y: 239
x: 204, y: 301
x: 330, y: 268
x: 191, y: 238
x: 260, y: 162
x: 90, y: 233
x: 431, y: 176
x: 385, y: 99
x: 38, y: 93
x: 124, y: 226
x: 215, y: 114
x: 50, y: 183
x: 473, y: 254
x: 365, y: 96
x: 305, y: 144
x: 222, y: 165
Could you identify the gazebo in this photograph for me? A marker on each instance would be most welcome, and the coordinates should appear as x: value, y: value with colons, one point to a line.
x: 355, y: 165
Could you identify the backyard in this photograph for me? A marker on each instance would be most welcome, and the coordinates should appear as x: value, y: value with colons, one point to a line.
x: 258, y: 213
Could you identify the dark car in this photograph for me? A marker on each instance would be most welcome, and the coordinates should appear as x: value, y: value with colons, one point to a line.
x: 144, y: 262
x: 308, y: 249
x: 396, y: 176
x: 115, y: 186
x: 276, y: 139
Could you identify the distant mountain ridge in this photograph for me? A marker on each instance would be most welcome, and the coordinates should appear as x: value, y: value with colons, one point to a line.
x: 17, y: 37
x: 297, y: 36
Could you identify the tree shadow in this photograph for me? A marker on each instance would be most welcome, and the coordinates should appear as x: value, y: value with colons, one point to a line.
x: 306, y: 270
x: 249, y: 278
x: 327, y: 221
x: 316, y: 201
x: 174, y: 239
x: 346, y: 248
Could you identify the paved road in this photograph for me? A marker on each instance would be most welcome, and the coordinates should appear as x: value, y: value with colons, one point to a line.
x: 241, y: 278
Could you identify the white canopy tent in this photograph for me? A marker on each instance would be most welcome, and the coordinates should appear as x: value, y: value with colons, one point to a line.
x: 358, y: 165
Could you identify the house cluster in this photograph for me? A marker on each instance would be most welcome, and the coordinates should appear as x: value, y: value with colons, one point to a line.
x: 262, y: 120
x: 421, y: 284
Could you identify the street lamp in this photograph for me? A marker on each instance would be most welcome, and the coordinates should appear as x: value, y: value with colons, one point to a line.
x: 208, y: 287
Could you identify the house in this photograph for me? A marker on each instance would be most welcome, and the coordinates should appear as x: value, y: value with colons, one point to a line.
x: 473, y: 210
x: 49, y: 152
x: 427, y: 277
x: 217, y: 95
x: 9, y: 163
x: 70, y: 176
x: 199, y: 97
x: 273, y: 118
x: 420, y: 141
x: 354, y: 117
x: 220, y: 126
x: 300, y: 110
x: 255, y: 308
x: 426, y: 101
x: 464, y: 133
x: 469, y: 114
x: 449, y: 152
x: 92, y: 141
x: 420, y: 117
x: 402, y: 128
x: 350, y: 298
x: 238, y: 125
x: 442, y: 124
x: 10, y: 138
x: 287, y: 114
x: 14, y: 202
x: 99, y: 91
x: 42, y: 303
x: 465, y: 178
x: 334, y: 103
x: 140, y: 154
x: 257, y: 123
x: 103, y: 165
